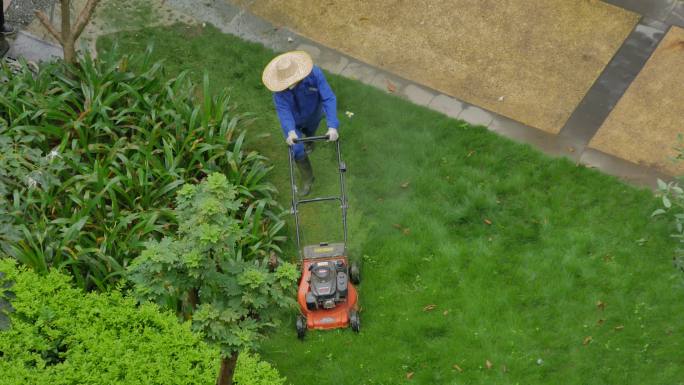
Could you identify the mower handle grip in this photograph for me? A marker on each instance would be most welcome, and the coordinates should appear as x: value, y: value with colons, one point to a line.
x: 311, y: 139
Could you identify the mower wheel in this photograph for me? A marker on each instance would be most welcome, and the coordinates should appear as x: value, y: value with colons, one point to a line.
x: 355, y: 273
x: 301, y: 327
x: 354, y: 321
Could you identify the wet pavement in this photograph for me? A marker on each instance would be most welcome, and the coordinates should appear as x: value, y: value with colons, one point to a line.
x: 33, y: 48
x: 665, y: 11
x: 602, y: 97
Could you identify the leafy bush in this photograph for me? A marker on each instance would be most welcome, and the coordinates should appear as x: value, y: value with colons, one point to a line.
x: 672, y: 198
x: 59, y: 335
x: 91, y: 155
x: 214, y: 263
x: 252, y: 371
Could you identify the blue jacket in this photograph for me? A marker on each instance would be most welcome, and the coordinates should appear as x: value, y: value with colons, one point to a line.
x: 298, y: 106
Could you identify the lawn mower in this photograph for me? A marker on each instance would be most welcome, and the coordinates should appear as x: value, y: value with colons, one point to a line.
x: 327, y: 297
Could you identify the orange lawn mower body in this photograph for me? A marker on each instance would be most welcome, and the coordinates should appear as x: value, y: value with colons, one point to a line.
x: 327, y: 296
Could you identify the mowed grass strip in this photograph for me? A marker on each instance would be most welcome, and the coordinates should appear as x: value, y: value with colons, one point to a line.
x: 485, y: 261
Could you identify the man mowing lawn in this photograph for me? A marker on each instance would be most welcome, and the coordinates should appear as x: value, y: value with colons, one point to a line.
x: 301, y: 95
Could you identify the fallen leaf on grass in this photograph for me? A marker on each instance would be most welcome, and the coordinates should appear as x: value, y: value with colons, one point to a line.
x: 409, y: 375
x: 601, y: 305
x: 470, y: 153
x: 600, y: 321
x: 458, y: 368
x: 445, y: 312
x: 619, y: 327
x: 406, y: 231
x: 397, y: 226
x: 405, y: 185
x: 587, y: 340
x: 391, y: 87
x: 429, y: 307
x: 487, y: 221
x: 488, y: 364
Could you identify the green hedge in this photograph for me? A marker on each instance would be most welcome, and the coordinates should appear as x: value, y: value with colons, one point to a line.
x: 60, y: 335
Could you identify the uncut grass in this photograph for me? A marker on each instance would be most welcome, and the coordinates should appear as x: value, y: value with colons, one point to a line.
x: 523, y: 288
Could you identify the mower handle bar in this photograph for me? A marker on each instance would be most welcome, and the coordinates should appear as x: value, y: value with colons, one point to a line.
x: 311, y: 139
x: 342, y: 198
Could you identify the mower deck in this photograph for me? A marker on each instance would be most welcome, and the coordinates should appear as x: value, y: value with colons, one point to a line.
x: 337, y: 317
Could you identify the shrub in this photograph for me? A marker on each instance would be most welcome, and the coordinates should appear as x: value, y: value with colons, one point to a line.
x: 252, y: 371
x: 91, y: 155
x: 214, y: 263
x: 672, y: 198
x: 59, y: 335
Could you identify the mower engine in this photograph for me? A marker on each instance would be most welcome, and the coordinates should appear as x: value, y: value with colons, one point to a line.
x: 328, y: 284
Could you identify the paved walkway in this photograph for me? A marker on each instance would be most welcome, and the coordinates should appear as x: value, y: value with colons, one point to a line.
x: 574, y: 138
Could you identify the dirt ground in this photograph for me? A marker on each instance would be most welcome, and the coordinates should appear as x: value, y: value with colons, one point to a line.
x: 530, y: 60
x: 644, y: 125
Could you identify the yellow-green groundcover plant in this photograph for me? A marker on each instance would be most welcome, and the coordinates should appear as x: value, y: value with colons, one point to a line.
x: 53, y: 333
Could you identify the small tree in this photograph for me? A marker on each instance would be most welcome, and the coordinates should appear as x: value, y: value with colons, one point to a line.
x: 231, y: 291
x: 69, y: 33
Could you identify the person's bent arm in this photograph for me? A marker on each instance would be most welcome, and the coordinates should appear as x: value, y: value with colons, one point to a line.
x: 328, y: 98
x: 287, y: 122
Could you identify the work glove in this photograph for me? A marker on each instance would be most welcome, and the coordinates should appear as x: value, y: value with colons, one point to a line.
x: 332, y: 134
x: 291, y: 137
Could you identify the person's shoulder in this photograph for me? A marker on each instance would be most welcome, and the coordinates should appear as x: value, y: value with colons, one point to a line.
x: 280, y: 95
x: 316, y: 71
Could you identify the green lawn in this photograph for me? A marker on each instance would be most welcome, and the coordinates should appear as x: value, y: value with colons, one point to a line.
x: 553, y: 273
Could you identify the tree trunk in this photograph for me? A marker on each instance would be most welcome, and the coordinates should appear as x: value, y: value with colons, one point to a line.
x: 193, y: 299
x: 66, y: 18
x: 69, y: 51
x: 227, y: 370
x: 68, y: 42
x: 69, y: 33
x: 191, y: 303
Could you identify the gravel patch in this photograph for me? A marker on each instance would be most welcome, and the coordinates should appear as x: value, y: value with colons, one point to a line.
x: 21, y: 12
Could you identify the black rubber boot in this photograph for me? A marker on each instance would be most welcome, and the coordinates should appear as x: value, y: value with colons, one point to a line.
x: 309, y: 147
x: 306, y: 171
x: 6, y: 29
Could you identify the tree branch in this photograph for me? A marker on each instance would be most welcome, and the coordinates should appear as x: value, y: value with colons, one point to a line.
x: 83, y: 18
x: 45, y: 21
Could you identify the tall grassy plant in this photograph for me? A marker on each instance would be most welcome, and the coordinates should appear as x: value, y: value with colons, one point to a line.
x: 93, y: 154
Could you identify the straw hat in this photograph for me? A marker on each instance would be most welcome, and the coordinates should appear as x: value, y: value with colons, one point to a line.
x: 286, y: 69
